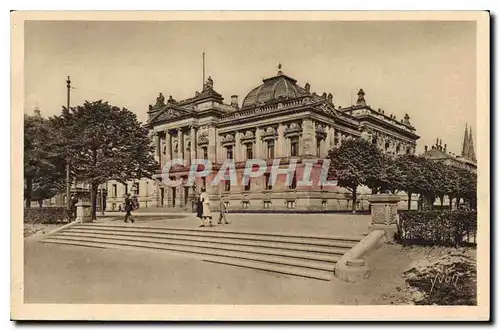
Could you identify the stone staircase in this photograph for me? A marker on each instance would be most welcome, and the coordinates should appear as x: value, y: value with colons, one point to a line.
x: 298, y: 255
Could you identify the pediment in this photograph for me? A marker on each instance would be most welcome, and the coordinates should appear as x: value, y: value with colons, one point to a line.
x: 169, y: 113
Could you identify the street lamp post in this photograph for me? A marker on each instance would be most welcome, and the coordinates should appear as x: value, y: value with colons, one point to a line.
x: 68, y: 175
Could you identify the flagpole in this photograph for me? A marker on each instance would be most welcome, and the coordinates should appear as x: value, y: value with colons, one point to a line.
x: 203, y: 83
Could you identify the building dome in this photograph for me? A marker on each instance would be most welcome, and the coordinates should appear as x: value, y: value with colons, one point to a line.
x: 280, y: 87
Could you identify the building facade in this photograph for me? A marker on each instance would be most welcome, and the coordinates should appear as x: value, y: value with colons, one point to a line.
x: 277, y: 119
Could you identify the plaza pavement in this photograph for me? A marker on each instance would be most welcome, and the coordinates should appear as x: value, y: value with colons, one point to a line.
x: 68, y: 274
x: 315, y: 224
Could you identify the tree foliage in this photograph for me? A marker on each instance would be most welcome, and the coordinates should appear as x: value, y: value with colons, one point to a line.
x: 44, y: 168
x: 357, y: 162
x: 105, y: 142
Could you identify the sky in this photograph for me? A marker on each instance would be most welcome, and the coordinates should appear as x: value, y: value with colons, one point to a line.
x: 424, y: 68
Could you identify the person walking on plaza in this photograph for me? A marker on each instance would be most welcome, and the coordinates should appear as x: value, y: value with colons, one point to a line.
x: 205, y: 199
x: 129, y: 206
x: 222, y: 210
x: 73, y: 202
x: 199, y: 211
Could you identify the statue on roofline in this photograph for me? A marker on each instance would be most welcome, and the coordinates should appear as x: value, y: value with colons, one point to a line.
x: 209, y: 85
x: 160, y: 100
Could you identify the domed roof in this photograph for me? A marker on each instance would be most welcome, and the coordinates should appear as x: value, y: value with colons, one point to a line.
x: 280, y: 87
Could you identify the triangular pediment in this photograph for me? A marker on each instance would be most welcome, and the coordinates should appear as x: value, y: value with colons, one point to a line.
x: 169, y: 113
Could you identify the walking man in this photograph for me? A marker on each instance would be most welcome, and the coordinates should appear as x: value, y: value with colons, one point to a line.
x: 222, y: 210
x: 129, y: 206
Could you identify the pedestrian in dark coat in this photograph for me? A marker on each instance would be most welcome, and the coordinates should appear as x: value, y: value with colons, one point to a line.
x: 129, y: 206
x: 199, y: 210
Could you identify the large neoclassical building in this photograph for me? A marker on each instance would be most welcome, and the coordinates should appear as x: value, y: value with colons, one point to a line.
x: 276, y: 119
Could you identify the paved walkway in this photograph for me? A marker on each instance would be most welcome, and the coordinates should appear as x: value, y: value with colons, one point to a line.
x: 314, y: 224
x: 67, y: 274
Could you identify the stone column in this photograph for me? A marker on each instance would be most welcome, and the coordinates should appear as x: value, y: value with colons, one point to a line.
x: 280, y: 142
x: 221, y: 150
x: 212, y: 145
x: 331, y: 137
x: 168, y: 155
x: 180, y: 137
x: 158, y: 151
x: 258, y: 145
x: 308, y: 137
x: 193, y: 143
x: 238, y: 148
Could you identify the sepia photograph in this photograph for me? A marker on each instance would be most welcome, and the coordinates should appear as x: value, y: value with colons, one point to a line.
x: 250, y: 166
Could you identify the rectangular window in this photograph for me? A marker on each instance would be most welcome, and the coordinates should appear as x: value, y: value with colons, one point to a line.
x: 205, y: 152
x: 249, y: 151
x: 126, y: 188
x: 270, y: 149
x: 115, y: 190
x: 229, y: 150
x: 294, y: 146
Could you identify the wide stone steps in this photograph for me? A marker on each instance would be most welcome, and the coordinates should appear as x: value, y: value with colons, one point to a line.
x: 194, y: 240
x: 297, y: 255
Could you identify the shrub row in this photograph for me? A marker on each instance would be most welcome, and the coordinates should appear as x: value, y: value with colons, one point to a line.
x: 447, y: 228
x: 45, y: 215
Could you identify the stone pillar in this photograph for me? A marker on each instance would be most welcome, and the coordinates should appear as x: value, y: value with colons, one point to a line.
x: 180, y: 137
x: 212, y: 145
x: 158, y: 151
x: 193, y: 143
x: 221, y: 150
x: 330, y: 137
x: 83, y: 212
x: 168, y: 155
x: 258, y: 151
x: 325, y: 147
x: 280, y: 142
x: 384, y: 213
x: 308, y: 137
x: 238, y: 148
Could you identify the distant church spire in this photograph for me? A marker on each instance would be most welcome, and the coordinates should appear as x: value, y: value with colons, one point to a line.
x: 465, y: 142
x: 468, y: 145
x: 280, y: 72
x: 472, y: 154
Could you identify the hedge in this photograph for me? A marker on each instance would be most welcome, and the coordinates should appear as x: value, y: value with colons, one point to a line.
x: 45, y: 215
x: 446, y: 228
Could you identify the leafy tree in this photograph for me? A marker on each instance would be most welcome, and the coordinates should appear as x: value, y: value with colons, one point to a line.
x: 43, y: 166
x: 467, y: 187
x: 356, y: 162
x: 104, y: 142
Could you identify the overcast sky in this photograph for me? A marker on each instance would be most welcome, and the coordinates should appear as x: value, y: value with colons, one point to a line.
x: 425, y: 69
